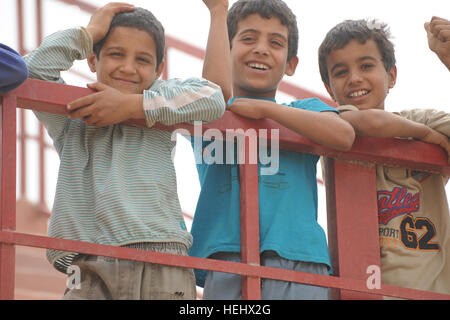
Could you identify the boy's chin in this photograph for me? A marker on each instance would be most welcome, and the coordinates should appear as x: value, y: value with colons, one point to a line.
x: 128, y: 88
x: 255, y: 91
x: 368, y: 107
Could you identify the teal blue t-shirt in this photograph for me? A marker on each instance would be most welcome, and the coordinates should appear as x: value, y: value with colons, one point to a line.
x: 287, y: 204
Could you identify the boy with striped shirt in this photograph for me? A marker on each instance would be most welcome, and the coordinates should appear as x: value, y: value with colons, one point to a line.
x: 117, y: 183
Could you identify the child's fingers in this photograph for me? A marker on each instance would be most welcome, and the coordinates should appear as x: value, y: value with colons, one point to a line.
x: 100, y: 20
x: 84, y: 113
x: 440, y: 28
x: 117, y: 7
x: 441, y: 34
x: 97, y: 86
x: 81, y: 102
x: 113, y: 8
x: 427, y: 29
x: 91, y: 120
x: 123, y: 4
x: 446, y: 146
x: 123, y: 9
x: 438, y: 19
x: 444, y: 35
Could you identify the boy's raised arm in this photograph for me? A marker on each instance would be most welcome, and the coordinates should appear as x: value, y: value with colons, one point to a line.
x: 196, y: 100
x: 57, y: 53
x: 59, y: 50
x: 217, y: 63
x: 438, y: 33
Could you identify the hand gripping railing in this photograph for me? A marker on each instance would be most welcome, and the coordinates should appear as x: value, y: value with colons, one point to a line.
x: 351, y: 187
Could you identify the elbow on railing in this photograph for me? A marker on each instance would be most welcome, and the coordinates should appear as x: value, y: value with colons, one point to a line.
x: 53, y: 97
x: 344, y: 139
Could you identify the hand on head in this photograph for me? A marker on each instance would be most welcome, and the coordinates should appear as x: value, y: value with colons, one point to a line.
x: 101, y: 19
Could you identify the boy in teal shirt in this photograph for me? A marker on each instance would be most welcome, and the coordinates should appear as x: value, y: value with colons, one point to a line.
x: 263, y: 38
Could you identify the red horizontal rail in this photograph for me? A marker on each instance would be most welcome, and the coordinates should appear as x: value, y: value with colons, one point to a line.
x: 243, y: 269
x: 51, y: 97
x: 35, y: 138
x: 84, y: 6
x: 393, y: 152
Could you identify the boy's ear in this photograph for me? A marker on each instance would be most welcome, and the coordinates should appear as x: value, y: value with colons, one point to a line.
x: 291, y: 66
x: 392, y: 74
x: 160, y: 69
x: 92, y: 61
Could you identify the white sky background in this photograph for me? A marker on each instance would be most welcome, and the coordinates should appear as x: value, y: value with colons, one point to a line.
x: 422, y: 80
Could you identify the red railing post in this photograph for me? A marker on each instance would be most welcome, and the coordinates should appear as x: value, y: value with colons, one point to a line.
x: 352, y: 222
x: 20, y: 27
x: 42, y: 184
x: 23, y: 154
x: 248, y: 179
x: 8, y: 193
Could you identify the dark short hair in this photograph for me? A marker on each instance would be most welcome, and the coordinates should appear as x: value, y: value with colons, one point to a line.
x: 266, y: 9
x: 141, y: 19
x: 361, y: 30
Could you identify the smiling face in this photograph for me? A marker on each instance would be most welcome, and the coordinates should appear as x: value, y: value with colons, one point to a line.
x: 357, y: 75
x: 259, y: 56
x: 127, y: 60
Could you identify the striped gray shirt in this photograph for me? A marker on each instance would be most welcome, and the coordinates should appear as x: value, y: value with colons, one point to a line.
x: 117, y: 184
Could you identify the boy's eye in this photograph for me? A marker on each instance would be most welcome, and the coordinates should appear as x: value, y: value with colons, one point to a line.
x: 339, y: 73
x: 366, y: 66
x: 143, y: 60
x: 115, y: 54
x: 248, y: 39
x: 277, y: 43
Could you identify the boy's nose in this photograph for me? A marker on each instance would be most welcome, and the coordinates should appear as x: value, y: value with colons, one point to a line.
x: 261, y: 48
x: 128, y: 66
x: 354, y: 77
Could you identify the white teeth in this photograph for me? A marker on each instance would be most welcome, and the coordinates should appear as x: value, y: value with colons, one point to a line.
x: 358, y: 93
x: 258, y: 66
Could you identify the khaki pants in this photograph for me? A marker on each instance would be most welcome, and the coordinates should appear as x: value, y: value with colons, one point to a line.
x: 104, y: 278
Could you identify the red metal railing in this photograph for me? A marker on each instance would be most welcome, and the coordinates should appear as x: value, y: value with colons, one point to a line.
x: 354, y: 245
x: 24, y: 136
x: 341, y: 227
